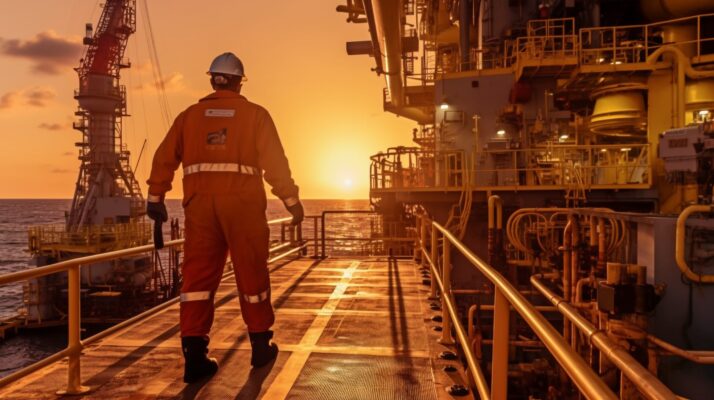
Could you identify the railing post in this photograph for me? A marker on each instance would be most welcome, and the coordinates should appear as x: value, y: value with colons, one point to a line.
x: 314, y: 235
x: 74, y: 375
x: 499, y: 361
x: 422, y: 240
x: 322, y: 232
x: 434, y: 248
x: 446, y: 281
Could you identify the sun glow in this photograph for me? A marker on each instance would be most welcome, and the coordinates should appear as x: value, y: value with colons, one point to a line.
x: 347, y: 183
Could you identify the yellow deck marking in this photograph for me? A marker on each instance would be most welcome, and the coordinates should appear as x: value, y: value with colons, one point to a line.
x: 287, y: 376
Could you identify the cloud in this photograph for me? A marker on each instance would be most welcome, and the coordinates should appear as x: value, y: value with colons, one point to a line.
x: 52, y: 126
x: 9, y: 99
x: 174, y: 82
x: 39, y: 96
x: 35, y: 96
x: 50, y: 52
x: 67, y: 154
x: 61, y: 171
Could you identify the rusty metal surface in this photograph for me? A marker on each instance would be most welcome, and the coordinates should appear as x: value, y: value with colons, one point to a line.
x: 357, y: 324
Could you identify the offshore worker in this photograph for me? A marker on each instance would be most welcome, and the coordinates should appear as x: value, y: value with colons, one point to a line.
x: 226, y: 145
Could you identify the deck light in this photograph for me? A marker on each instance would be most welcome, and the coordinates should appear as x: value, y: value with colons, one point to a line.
x: 501, y: 132
x: 704, y: 114
x: 625, y: 149
x: 564, y: 137
x: 444, y: 105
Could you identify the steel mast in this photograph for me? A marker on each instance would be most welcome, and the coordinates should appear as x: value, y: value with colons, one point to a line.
x: 107, y: 191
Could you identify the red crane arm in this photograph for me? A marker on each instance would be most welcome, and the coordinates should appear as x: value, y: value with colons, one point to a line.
x: 106, y: 49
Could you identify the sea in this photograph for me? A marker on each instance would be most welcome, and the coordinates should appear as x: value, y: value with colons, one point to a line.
x: 17, y: 215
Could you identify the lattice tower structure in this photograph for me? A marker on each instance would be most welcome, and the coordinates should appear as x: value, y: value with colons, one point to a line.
x: 107, y: 190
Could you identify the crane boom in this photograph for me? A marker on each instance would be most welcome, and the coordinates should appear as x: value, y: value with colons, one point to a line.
x: 107, y: 190
x: 106, y: 49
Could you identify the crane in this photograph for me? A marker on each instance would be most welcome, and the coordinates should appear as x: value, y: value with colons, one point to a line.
x: 107, y: 190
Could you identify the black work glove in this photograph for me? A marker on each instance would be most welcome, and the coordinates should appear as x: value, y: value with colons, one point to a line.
x: 157, y: 211
x: 297, y: 212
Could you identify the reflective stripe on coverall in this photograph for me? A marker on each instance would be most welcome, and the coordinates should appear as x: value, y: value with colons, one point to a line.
x: 224, y: 142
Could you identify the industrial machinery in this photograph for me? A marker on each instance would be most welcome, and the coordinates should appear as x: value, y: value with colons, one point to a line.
x: 108, y: 207
x: 590, y: 121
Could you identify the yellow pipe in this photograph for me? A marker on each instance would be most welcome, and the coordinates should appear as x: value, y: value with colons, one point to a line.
x: 501, y: 338
x: 601, y: 250
x: 699, y: 357
x: 472, y: 311
x: 495, y: 206
x: 679, y: 245
x: 684, y: 67
x: 587, y: 381
x: 640, y: 376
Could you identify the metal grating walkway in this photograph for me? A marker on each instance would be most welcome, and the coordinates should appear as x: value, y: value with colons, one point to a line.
x: 347, y: 329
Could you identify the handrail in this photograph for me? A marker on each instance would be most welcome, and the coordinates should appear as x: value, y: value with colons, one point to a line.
x: 73, y: 266
x: 640, y: 376
x: 587, y: 381
x: 385, y: 238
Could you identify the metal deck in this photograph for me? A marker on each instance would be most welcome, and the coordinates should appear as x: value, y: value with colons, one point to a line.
x: 347, y: 329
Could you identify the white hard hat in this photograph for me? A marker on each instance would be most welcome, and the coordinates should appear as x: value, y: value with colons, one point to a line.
x: 227, y: 64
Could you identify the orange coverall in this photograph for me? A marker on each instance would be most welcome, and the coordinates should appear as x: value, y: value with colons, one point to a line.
x: 224, y: 142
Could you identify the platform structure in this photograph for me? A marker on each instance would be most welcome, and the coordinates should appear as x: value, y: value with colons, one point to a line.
x: 348, y: 328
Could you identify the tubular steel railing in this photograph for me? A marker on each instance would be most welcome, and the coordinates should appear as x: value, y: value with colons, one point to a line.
x: 635, y: 43
x: 383, y: 238
x: 73, y: 267
x: 553, y: 167
x: 505, y: 297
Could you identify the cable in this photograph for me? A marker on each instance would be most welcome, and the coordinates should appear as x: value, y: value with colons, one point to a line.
x: 157, y: 73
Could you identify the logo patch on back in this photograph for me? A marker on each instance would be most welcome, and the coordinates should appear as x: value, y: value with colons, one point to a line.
x: 220, y: 112
x: 217, y: 137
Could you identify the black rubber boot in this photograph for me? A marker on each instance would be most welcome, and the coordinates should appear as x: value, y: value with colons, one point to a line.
x: 263, y: 351
x: 198, y: 365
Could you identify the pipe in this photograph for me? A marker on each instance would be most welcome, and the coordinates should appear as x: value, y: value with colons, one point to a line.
x: 641, y: 377
x: 699, y: 357
x: 479, y: 53
x: 574, y: 272
x: 679, y: 246
x: 684, y: 67
x: 495, y: 206
x: 587, y: 381
x: 465, y: 11
x: 601, y: 250
x: 666, y: 9
x: 387, y: 22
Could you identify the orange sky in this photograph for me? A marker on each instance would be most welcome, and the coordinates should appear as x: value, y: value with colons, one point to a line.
x: 327, y: 106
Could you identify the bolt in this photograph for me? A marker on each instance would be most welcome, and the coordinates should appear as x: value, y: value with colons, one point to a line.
x: 457, y: 390
x: 449, y: 368
x: 448, y: 355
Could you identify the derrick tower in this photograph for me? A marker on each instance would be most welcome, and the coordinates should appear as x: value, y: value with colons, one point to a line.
x: 107, y: 191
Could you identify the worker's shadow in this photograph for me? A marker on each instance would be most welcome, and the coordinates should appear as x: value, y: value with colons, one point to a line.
x: 250, y: 390
x: 254, y: 384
